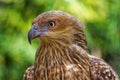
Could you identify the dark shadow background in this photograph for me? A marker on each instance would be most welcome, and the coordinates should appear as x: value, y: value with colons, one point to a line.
x: 101, y: 18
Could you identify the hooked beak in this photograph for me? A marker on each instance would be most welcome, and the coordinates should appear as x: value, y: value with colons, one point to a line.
x: 35, y: 32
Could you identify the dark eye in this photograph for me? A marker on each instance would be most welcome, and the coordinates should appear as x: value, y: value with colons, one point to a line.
x: 51, y: 24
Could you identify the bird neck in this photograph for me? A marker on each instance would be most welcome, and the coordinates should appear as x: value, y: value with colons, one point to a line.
x: 58, y: 53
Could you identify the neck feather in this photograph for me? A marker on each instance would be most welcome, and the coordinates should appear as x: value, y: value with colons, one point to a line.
x: 59, y: 53
x: 57, y: 57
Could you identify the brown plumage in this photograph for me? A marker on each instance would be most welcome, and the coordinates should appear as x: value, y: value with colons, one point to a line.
x: 62, y: 53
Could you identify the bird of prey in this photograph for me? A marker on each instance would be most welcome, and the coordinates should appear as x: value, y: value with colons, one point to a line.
x: 62, y: 53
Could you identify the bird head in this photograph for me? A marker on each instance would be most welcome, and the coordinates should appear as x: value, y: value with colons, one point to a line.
x: 56, y: 25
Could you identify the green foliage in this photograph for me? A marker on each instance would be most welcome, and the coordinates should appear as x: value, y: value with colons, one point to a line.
x: 101, y: 18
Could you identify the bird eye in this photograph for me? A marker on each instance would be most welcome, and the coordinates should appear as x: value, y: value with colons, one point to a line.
x: 51, y: 24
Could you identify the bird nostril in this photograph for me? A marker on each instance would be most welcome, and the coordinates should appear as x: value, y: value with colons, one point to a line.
x: 35, y: 27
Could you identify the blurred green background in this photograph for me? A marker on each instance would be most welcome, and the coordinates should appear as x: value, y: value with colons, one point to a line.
x: 101, y: 18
